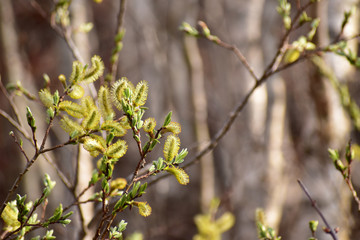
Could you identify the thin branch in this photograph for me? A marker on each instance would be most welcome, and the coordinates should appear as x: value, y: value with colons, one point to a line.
x: 240, y: 56
x: 15, y: 124
x: 17, y: 182
x: 77, y: 167
x: 272, y: 68
x: 12, y: 104
x: 60, y: 174
x: 119, y: 29
x: 20, y: 147
x: 65, y: 33
x: 314, y: 205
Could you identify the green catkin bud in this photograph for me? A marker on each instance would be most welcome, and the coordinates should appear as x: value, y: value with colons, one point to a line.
x: 30, y: 118
x: 62, y: 79
x: 313, y: 225
x: 171, y: 147
x: 76, y: 92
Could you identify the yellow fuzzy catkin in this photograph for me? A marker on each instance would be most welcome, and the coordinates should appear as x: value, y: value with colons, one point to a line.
x: 118, y: 183
x: 116, y: 150
x: 141, y: 93
x: 171, y: 147
x: 10, y: 216
x: 117, y: 129
x: 91, y: 121
x: 46, y: 98
x: 76, y: 92
x: 172, y: 127
x: 181, y: 176
x: 149, y: 125
x: 105, y: 105
x: 117, y: 91
x: 77, y: 73
x: 73, y: 128
x: 144, y: 208
x: 87, y: 103
x: 96, y: 70
x: 73, y: 109
x: 91, y: 144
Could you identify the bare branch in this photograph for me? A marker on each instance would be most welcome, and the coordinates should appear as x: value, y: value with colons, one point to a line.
x: 317, y: 209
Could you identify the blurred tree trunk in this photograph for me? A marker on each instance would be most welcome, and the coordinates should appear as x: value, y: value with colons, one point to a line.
x: 81, y: 15
x: 15, y: 62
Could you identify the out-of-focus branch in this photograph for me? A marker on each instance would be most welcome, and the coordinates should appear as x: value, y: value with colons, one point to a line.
x: 273, y: 67
x: 118, y: 40
x: 328, y: 229
x: 65, y: 33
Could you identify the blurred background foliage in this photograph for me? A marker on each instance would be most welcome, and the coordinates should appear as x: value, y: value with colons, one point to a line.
x: 282, y: 135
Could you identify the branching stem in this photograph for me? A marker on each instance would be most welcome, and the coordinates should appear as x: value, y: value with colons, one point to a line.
x: 314, y: 205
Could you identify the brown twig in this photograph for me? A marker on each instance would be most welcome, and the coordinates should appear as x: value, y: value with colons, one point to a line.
x: 12, y: 104
x: 17, y: 182
x: 20, y: 147
x: 240, y: 56
x: 272, y: 68
x: 15, y: 124
x: 65, y: 33
x: 347, y: 176
x: 314, y: 205
x: 119, y: 29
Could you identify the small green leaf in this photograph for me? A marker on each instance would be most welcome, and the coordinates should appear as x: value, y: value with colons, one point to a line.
x: 105, y: 185
x: 57, y: 214
x: 167, y: 119
x: 188, y: 29
x: 180, y: 157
